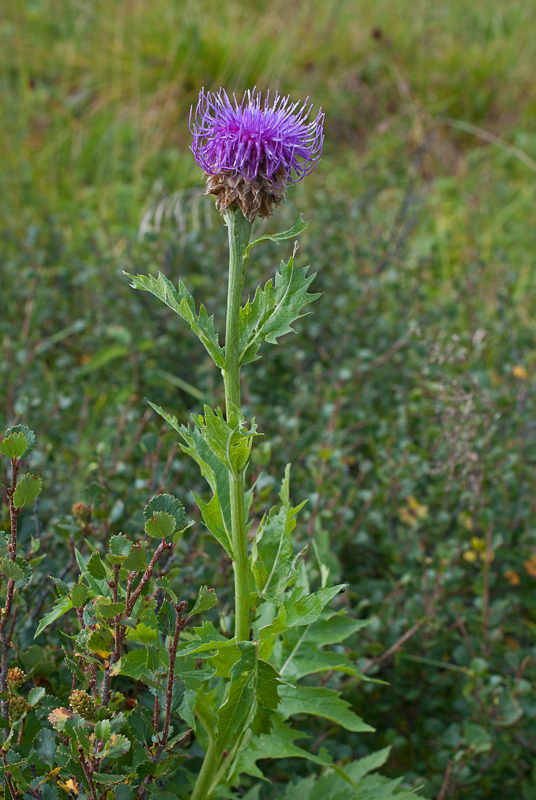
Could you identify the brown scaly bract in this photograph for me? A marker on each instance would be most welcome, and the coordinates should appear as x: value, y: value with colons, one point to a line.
x: 258, y: 197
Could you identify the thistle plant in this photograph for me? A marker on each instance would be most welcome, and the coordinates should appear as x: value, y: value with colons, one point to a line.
x: 144, y: 683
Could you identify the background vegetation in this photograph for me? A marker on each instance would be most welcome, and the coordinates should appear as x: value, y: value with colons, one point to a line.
x: 407, y: 403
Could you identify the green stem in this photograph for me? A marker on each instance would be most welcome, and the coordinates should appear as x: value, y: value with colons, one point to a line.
x: 204, y: 779
x: 239, y: 229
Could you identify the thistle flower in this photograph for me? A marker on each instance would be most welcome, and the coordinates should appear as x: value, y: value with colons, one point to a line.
x: 252, y: 150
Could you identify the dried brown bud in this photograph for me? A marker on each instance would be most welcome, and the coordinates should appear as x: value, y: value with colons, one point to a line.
x: 15, y: 678
x: 81, y: 512
x: 258, y: 197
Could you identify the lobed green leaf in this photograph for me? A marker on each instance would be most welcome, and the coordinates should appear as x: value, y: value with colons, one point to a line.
x: 182, y: 303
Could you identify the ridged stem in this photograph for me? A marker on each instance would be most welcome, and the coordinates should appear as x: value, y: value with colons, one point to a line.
x: 239, y: 230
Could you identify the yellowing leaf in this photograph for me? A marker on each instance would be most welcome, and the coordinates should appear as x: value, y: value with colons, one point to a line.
x: 520, y: 372
x: 466, y: 520
x: 530, y: 566
x: 478, y: 544
x: 70, y: 786
x: 420, y: 510
x: 406, y: 517
x: 470, y: 556
x: 58, y: 718
x: 512, y: 577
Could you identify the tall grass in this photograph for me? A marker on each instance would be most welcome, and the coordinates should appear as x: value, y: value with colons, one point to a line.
x: 96, y: 98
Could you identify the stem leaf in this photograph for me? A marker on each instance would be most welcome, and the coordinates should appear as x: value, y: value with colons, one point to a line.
x: 298, y: 227
x: 28, y: 488
x: 274, y: 308
x: 182, y: 303
x: 206, y: 599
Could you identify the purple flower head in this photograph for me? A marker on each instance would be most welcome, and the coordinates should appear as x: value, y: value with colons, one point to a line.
x: 274, y: 142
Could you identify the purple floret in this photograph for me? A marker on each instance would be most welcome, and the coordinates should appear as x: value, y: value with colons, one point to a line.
x: 254, y: 140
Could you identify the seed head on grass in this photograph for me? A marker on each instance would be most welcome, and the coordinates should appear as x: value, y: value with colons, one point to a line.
x: 250, y: 151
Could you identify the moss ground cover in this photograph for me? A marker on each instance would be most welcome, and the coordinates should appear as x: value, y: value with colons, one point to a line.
x: 408, y: 411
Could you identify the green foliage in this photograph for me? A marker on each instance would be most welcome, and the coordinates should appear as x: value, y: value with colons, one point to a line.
x: 181, y: 301
x: 13, y: 445
x: 230, y: 444
x: 206, y: 599
x: 299, y: 226
x: 14, y: 433
x: 413, y: 251
x: 274, y: 308
x: 28, y: 488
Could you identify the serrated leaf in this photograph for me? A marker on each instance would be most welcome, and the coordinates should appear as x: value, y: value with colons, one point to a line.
x: 279, y: 745
x: 124, y: 792
x: 61, y: 607
x: 252, y: 694
x: 301, y: 660
x: 274, y: 563
x: 108, y: 780
x: 163, y: 583
x: 169, y: 504
x: 116, y: 746
x: 274, y: 308
x: 334, y: 629
x: 96, y: 568
x: 102, y: 730
x: 217, y: 513
x: 59, y: 717
x: 235, y: 711
x: 160, y: 526
x: 133, y: 664
x: 79, y: 594
x: 206, y: 599
x: 27, y: 489
x: 140, y: 724
x: 320, y: 702
x: 299, y: 226
x: 207, y: 638
x: 74, y: 668
x: 107, y: 610
x: 166, y: 618
x: 177, y: 694
x: 26, y: 573
x: 154, y: 662
x: 35, y: 695
x: 181, y: 301
x: 120, y: 546
x: 44, y: 744
x: 13, y: 445
x: 29, y: 436
x: 231, y: 444
x: 100, y: 642
x: 304, y: 609
x: 135, y: 562
x: 11, y: 569
x: 62, y: 587
x: 358, y: 769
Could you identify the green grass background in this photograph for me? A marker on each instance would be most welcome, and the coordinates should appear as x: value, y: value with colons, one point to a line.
x: 424, y: 228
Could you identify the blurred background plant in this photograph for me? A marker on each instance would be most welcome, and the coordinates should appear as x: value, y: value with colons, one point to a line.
x: 414, y: 402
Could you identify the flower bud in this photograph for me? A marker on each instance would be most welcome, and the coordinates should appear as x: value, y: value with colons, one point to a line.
x: 17, y: 708
x: 82, y: 704
x: 15, y: 678
x: 81, y: 512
